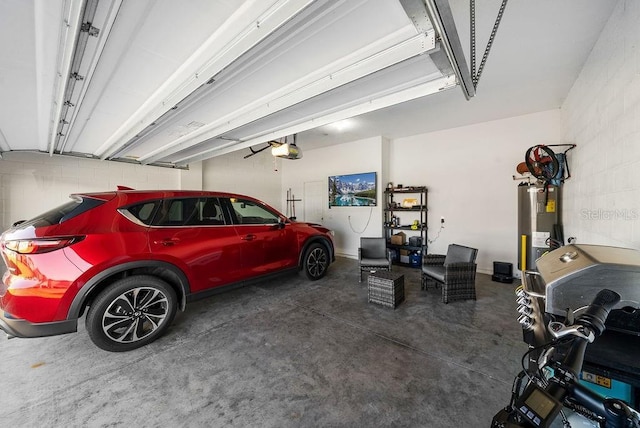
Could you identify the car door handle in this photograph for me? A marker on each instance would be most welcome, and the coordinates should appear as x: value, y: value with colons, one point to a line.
x: 248, y: 237
x: 167, y: 242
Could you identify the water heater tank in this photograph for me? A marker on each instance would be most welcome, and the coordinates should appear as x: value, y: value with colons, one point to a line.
x: 538, y: 221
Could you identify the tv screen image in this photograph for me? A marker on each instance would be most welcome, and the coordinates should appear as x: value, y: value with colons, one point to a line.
x: 353, y: 190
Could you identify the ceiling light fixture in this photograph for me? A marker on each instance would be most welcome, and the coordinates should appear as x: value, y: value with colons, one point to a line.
x: 342, y: 125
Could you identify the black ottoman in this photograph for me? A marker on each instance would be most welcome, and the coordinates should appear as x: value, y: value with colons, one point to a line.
x: 386, y: 288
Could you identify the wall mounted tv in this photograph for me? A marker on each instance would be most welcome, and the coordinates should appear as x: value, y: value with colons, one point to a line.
x: 353, y: 190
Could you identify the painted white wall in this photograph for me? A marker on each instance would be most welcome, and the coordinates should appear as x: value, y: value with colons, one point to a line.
x: 32, y: 183
x: 469, y: 173
x: 258, y: 176
x: 348, y: 223
x: 602, y: 116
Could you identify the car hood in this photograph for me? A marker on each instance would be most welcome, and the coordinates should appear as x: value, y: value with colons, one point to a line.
x: 315, y: 226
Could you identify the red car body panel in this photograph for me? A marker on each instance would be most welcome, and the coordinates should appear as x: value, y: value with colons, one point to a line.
x: 193, y: 251
x: 43, y: 288
x: 269, y: 248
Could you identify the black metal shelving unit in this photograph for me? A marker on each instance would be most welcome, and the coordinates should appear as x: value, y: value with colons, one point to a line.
x: 399, y: 218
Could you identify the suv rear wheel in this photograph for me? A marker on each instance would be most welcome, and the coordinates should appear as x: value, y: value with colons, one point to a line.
x: 131, y: 313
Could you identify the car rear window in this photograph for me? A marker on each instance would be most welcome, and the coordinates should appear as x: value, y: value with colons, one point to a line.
x: 189, y: 212
x: 143, y: 212
x: 64, y: 212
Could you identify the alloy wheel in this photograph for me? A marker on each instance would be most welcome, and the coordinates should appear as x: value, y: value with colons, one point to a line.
x: 317, y: 262
x: 135, y: 314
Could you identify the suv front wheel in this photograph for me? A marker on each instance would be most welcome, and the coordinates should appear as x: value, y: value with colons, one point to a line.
x: 316, y: 261
x: 131, y: 313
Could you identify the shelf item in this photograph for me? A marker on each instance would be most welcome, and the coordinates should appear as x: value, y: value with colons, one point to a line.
x: 405, y: 247
x: 416, y: 208
x: 405, y: 223
x: 403, y: 228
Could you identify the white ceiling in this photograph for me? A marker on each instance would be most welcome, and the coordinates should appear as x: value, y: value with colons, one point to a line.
x: 278, y: 67
x: 538, y: 52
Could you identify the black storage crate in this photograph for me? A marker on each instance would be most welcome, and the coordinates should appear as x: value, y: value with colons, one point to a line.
x: 502, y: 272
x: 386, y: 288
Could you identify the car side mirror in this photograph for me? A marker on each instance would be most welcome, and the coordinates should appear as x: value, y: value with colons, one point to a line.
x: 281, y: 222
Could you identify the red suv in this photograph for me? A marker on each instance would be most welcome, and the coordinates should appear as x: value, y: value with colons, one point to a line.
x: 132, y: 258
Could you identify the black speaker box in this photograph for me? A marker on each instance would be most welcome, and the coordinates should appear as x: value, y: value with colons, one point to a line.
x: 502, y: 272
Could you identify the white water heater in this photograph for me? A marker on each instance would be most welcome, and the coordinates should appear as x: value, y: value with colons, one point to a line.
x: 538, y: 222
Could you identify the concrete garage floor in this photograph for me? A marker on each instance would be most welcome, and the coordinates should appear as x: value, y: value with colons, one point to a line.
x: 286, y: 352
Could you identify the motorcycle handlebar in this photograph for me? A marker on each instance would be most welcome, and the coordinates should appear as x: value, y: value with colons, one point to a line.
x: 592, y: 319
x: 598, y: 311
x: 563, y: 386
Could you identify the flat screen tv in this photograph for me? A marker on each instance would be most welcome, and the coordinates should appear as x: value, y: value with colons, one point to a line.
x: 353, y: 190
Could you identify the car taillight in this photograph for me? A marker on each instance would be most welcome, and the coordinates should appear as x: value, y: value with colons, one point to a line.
x: 38, y: 246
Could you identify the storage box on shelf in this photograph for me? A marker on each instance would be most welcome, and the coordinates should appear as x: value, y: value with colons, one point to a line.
x: 399, y: 238
x: 405, y: 223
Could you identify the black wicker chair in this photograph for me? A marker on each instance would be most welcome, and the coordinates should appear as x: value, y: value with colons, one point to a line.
x: 373, y: 255
x: 456, y: 272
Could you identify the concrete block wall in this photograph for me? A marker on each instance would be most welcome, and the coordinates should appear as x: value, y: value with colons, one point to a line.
x: 32, y: 183
x: 602, y: 116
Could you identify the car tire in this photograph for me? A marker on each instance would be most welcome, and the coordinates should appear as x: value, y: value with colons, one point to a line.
x: 131, y: 313
x: 316, y: 261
